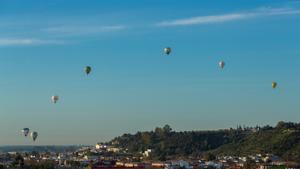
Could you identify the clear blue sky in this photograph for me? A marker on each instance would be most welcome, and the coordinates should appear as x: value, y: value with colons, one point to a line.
x: 45, y: 45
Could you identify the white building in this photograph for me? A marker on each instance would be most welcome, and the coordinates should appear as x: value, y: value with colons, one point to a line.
x: 147, y: 153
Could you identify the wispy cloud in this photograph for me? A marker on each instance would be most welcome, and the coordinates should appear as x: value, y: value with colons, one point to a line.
x: 45, y: 35
x: 27, y: 42
x: 204, y: 20
x: 74, y: 30
x: 198, y: 20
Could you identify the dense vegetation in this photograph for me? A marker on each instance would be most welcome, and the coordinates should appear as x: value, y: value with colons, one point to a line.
x: 282, y: 140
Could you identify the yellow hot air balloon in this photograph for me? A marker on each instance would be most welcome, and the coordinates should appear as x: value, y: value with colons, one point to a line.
x: 274, y: 85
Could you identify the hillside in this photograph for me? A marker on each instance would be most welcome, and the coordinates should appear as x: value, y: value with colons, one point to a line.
x: 282, y: 140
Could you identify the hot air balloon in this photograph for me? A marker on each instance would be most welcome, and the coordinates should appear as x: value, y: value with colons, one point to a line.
x: 25, y: 131
x: 167, y: 50
x: 221, y: 64
x: 274, y: 85
x: 34, y: 135
x: 55, y: 98
x: 87, y: 70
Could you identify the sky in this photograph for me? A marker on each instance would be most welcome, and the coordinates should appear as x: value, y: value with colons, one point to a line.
x: 134, y: 86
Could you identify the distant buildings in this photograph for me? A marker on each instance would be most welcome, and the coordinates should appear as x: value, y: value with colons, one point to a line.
x: 102, y: 156
x: 147, y: 153
x: 104, y: 147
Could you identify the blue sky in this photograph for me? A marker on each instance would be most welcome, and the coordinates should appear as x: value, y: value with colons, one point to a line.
x: 45, y: 45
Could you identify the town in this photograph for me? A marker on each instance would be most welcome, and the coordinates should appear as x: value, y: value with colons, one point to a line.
x: 103, y: 156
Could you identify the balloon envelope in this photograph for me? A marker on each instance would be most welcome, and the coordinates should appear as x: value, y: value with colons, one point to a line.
x: 25, y: 131
x: 54, y: 98
x: 274, y: 85
x: 87, y: 70
x: 222, y: 64
x: 34, y: 135
x: 167, y: 50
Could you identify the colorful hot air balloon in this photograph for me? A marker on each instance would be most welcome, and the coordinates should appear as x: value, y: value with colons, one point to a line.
x: 274, y: 85
x: 222, y: 64
x: 34, y: 135
x: 25, y: 131
x: 167, y: 50
x: 87, y: 70
x: 55, y: 98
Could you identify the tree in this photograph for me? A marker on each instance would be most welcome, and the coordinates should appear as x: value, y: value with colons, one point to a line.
x: 18, y: 161
x: 209, y: 157
x: 167, y: 128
